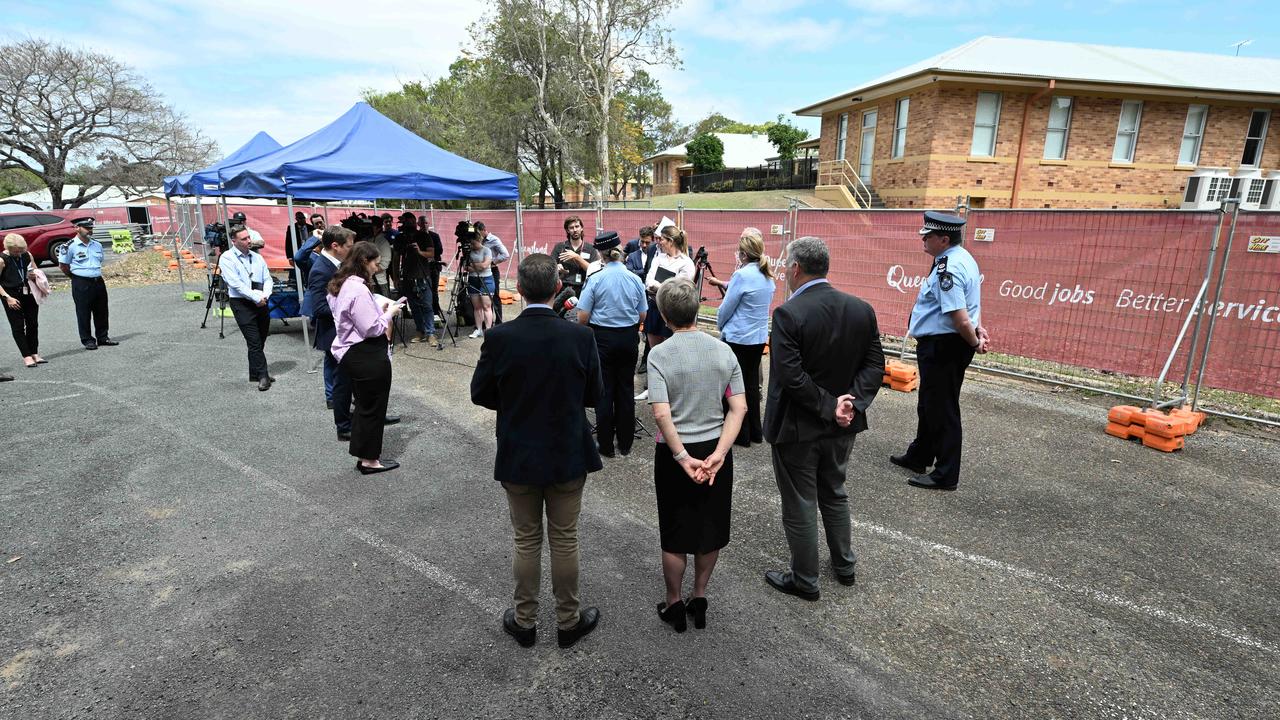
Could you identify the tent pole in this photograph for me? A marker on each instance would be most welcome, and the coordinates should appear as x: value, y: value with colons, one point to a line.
x: 297, y: 275
x: 204, y: 247
x: 177, y: 254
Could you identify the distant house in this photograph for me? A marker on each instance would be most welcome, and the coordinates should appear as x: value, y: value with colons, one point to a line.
x: 114, y: 196
x: 1030, y: 123
x: 740, y: 151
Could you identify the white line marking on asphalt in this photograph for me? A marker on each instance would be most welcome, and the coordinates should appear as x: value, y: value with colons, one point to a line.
x: 1047, y: 580
x: 206, y: 346
x: 432, y: 572
x: 51, y: 399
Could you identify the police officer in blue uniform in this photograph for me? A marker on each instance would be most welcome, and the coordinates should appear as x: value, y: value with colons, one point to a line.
x: 613, y: 303
x: 946, y: 325
x: 81, y: 260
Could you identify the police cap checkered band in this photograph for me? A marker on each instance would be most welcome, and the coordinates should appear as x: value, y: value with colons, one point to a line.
x: 606, y: 240
x: 83, y: 222
x: 938, y: 221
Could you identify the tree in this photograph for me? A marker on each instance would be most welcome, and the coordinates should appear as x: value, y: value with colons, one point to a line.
x: 706, y: 152
x: 644, y: 126
x: 715, y: 122
x: 785, y: 137
x: 16, y: 181
x: 608, y: 39
x: 61, y: 108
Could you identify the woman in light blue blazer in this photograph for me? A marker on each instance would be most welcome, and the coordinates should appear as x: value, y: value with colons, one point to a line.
x: 743, y: 320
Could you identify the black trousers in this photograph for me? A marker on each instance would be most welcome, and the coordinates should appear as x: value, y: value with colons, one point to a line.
x: 90, y: 297
x: 24, y: 322
x: 341, y: 396
x: 749, y: 360
x: 942, y: 360
x: 255, y: 324
x: 497, y: 300
x: 369, y: 368
x: 616, y: 410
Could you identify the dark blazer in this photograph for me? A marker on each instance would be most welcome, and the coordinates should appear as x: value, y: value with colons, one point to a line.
x: 315, y: 302
x: 824, y: 344
x: 540, y: 372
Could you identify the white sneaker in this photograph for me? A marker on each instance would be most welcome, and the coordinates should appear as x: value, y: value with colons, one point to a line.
x: 477, y: 333
x: 643, y: 395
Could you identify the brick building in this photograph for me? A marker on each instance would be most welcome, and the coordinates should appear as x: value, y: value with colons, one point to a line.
x: 741, y: 150
x: 1034, y: 124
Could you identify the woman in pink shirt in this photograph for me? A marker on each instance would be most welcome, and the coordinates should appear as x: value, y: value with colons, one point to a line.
x: 363, y: 352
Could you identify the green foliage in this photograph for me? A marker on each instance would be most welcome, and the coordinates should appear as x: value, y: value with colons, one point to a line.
x: 717, y: 123
x: 706, y: 152
x: 16, y: 181
x: 785, y: 137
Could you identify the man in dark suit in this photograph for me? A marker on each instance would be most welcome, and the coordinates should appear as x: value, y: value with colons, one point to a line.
x: 540, y: 372
x: 334, y: 245
x: 825, y: 368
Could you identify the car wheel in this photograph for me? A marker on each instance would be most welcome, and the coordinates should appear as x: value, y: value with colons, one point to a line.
x: 55, y: 249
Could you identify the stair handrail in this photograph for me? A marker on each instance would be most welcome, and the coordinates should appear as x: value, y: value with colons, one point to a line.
x: 843, y: 172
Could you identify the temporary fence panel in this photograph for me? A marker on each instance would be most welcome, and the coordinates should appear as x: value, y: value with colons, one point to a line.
x: 1245, y: 353
x: 719, y: 230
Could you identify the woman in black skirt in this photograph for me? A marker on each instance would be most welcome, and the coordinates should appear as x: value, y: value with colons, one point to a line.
x: 363, y: 351
x: 692, y: 466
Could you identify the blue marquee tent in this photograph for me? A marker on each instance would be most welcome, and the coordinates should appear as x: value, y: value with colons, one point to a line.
x: 205, y: 182
x: 363, y: 155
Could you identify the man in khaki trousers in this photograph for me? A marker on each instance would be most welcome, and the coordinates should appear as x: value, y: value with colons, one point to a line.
x: 540, y: 372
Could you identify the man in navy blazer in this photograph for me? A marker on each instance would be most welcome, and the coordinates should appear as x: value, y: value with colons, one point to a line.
x: 334, y: 244
x: 825, y: 368
x: 540, y: 372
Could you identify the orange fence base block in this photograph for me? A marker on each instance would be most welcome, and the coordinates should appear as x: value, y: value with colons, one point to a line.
x: 900, y: 376
x: 1164, y: 444
x: 1117, y: 430
x: 1122, y: 414
x: 173, y: 264
x: 1193, y: 419
x: 506, y: 297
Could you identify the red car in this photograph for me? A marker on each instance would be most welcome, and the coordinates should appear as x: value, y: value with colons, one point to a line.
x: 45, y: 231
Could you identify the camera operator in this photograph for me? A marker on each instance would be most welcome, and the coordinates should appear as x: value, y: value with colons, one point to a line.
x: 310, y: 248
x: 573, y: 255
x: 671, y: 260
x: 295, y: 235
x: 249, y: 285
x: 255, y: 239
x: 613, y: 303
x: 500, y: 255
x: 411, y: 257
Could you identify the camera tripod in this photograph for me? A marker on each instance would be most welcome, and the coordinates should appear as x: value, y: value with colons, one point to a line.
x: 703, y: 267
x: 217, y: 289
x: 460, y: 279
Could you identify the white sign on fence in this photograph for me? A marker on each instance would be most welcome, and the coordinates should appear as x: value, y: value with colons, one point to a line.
x: 1264, y: 244
x: 984, y: 234
x: 775, y: 229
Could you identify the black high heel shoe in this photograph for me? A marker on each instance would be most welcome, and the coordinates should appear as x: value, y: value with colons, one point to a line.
x: 697, y: 607
x: 673, y: 615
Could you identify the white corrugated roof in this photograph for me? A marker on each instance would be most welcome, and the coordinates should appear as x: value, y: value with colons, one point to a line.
x: 740, y: 150
x: 1068, y: 61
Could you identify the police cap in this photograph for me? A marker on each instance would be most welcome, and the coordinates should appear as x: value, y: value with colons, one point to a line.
x: 941, y: 222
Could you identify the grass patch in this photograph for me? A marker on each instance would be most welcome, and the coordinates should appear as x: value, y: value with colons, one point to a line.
x: 145, y: 267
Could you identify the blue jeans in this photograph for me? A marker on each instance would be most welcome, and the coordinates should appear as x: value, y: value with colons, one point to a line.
x: 330, y: 375
x: 418, y: 292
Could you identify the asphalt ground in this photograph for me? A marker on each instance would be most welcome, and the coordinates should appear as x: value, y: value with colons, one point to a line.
x: 180, y: 545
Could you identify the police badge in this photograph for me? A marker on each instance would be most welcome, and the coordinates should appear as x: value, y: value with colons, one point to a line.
x: 945, y: 280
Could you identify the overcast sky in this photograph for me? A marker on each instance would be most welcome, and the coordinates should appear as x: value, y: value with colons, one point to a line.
x: 235, y: 67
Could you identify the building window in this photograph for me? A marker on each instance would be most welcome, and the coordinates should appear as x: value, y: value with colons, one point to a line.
x: 1055, y: 140
x: 1127, y: 132
x: 1189, y: 151
x: 1255, y: 191
x: 1253, y: 141
x: 985, y: 123
x: 1218, y: 187
x: 842, y: 135
x: 1267, y: 187
x: 900, y: 127
x: 1193, y: 184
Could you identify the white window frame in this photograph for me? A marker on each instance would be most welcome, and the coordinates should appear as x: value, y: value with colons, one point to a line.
x: 1262, y: 138
x: 1254, y: 194
x: 1065, y: 129
x: 842, y: 135
x: 995, y: 124
x: 1194, y: 134
x: 1120, y: 130
x: 901, y: 111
